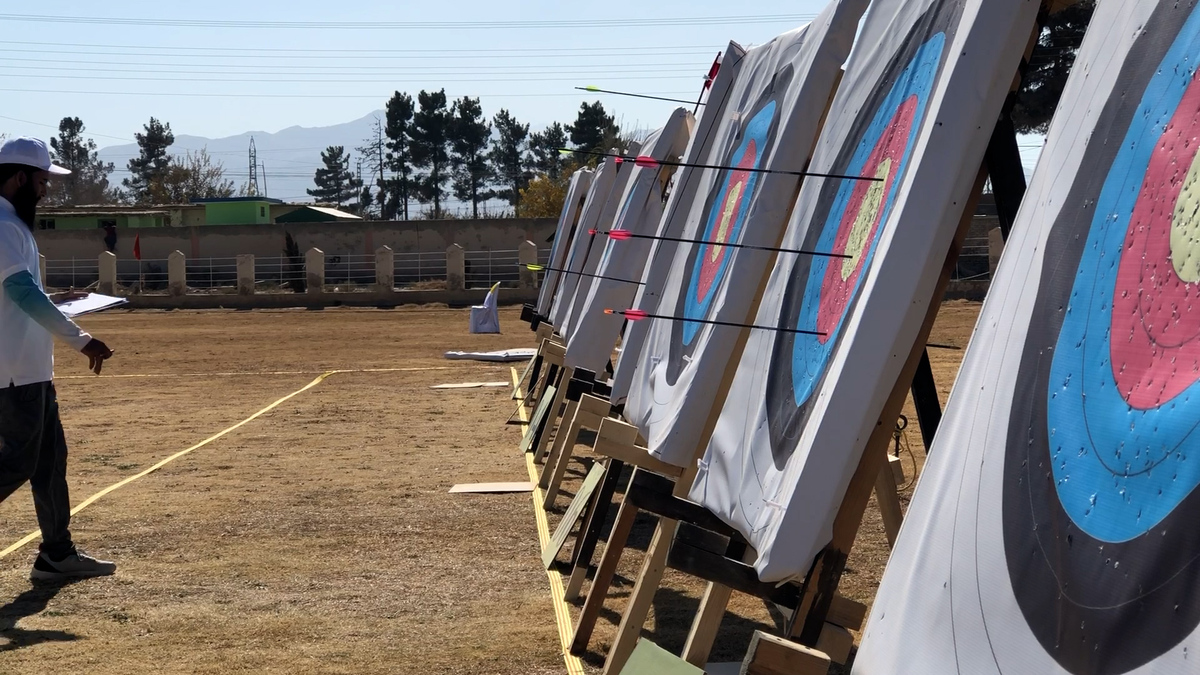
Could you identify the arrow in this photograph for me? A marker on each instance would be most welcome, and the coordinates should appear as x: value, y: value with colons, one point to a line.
x: 598, y: 90
x: 622, y: 235
x: 639, y: 315
x: 647, y: 162
x: 543, y: 268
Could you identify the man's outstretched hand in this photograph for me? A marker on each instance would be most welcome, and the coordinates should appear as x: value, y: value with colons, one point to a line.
x: 97, y: 352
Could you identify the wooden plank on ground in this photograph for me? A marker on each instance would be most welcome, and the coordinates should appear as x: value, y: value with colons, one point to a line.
x: 650, y: 659
x: 492, y: 488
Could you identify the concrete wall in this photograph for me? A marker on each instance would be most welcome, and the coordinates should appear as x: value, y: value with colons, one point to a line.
x: 266, y: 241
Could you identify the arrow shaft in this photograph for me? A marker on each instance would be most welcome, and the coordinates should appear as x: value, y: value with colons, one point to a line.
x: 625, y: 93
x: 713, y: 322
x: 817, y: 254
x: 663, y: 162
x: 585, y: 274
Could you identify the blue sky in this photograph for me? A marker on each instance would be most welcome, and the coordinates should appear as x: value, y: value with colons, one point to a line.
x: 103, y: 63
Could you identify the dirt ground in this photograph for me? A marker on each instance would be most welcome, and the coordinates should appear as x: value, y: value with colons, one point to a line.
x: 320, y: 537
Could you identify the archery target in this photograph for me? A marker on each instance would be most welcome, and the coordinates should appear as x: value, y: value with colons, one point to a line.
x: 770, y: 122
x: 683, y: 193
x: 1061, y: 498
x: 848, y: 220
x: 909, y: 127
x: 591, y: 343
x: 565, y: 234
x: 593, y: 207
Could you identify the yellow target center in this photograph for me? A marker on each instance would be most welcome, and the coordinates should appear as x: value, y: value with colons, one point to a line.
x: 868, y: 212
x: 1185, y: 227
x: 731, y: 206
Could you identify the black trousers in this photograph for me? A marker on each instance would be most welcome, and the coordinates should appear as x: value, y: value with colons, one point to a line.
x: 33, y: 448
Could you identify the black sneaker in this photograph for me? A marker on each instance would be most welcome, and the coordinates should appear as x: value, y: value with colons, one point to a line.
x: 77, y: 565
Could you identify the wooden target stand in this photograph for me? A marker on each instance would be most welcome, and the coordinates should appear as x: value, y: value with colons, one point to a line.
x: 687, y: 539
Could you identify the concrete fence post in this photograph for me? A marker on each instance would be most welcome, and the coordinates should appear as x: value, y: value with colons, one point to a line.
x: 527, y: 254
x: 314, y: 270
x: 995, y: 248
x: 385, y: 269
x: 177, y: 274
x: 456, y: 268
x: 108, y: 273
x: 245, y: 274
x: 42, y: 269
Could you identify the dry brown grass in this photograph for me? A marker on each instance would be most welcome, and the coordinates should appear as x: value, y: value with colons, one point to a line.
x: 320, y: 537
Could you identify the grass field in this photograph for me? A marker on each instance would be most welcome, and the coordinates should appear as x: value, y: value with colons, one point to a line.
x: 320, y: 537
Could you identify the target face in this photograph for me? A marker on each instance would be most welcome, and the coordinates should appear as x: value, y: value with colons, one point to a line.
x: 1100, y: 501
x: 727, y: 209
x: 848, y: 220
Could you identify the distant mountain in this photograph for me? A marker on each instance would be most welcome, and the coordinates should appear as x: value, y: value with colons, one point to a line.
x: 289, y: 156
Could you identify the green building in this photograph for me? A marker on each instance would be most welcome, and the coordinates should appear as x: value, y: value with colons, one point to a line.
x: 82, y: 219
x: 237, y: 210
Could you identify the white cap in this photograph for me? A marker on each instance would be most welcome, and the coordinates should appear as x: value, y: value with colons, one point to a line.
x: 30, y: 152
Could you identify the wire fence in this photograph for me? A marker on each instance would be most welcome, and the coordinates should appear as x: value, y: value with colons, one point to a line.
x: 973, y: 261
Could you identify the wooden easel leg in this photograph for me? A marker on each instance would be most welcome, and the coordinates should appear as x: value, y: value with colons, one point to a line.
x: 555, y: 479
x: 589, y: 534
x: 539, y: 452
x: 707, y: 623
x: 925, y: 400
x: 563, y: 441
x: 634, y: 617
x: 626, y: 515
x: 889, y: 503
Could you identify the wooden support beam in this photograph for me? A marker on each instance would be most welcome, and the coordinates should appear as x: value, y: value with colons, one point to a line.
x: 925, y: 400
x: 626, y: 515
x: 589, y: 413
x: 847, y: 613
x: 889, y: 503
x: 771, y: 655
x: 617, y: 439
x: 541, y: 446
x: 582, y: 501
x: 537, y: 421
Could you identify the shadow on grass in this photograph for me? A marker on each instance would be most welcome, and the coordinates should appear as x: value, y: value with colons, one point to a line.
x: 29, y: 603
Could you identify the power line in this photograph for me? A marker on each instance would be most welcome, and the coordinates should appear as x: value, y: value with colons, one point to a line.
x: 416, y: 25
x: 694, y: 69
x: 254, y: 96
x: 392, y: 81
x: 74, y: 65
x: 291, y: 52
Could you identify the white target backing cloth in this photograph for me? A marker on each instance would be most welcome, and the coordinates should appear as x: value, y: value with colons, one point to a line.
x: 770, y: 123
x: 915, y: 111
x: 564, y: 235
x: 593, y: 205
x: 595, y: 247
x: 1055, y: 527
x: 622, y: 262
x: 685, y: 182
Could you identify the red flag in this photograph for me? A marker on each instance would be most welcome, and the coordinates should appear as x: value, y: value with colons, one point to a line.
x: 137, y: 247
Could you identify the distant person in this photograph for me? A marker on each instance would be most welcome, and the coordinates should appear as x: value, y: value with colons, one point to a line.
x: 32, y: 445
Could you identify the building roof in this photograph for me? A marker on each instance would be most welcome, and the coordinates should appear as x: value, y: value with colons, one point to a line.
x: 227, y: 200
x: 315, y: 214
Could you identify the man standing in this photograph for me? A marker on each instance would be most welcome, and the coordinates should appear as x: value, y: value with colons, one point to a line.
x: 32, y: 445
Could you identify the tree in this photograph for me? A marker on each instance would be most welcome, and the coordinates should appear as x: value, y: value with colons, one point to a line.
x: 88, y: 182
x: 1049, y: 65
x: 510, y: 159
x: 545, y: 146
x: 592, y: 129
x: 335, y: 183
x: 429, y: 147
x: 372, y: 154
x: 399, y: 160
x: 152, y: 160
x: 193, y: 176
x: 544, y: 197
x: 470, y: 133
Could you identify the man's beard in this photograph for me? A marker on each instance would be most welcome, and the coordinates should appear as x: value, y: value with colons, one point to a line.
x: 25, y: 203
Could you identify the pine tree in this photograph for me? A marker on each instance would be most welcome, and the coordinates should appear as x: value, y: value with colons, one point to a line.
x: 545, y: 146
x: 88, y: 182
x: 399, y: 158
x: 593, y: 128
x: 335, y: 183
x: 1049, y: 65
x: 510, y: 159
x: 430, y: 148
x: 152, y: 160
x: 470, y: 133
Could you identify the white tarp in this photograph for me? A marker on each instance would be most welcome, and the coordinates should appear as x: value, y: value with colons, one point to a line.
x: 566, y: 232
x: 597, y: 198
x: 595, y: 248
x: 1055, y: 527
x: 770, y: 122
x: 621, y: 263
x: 679, y: 206
x: 916, y: 108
